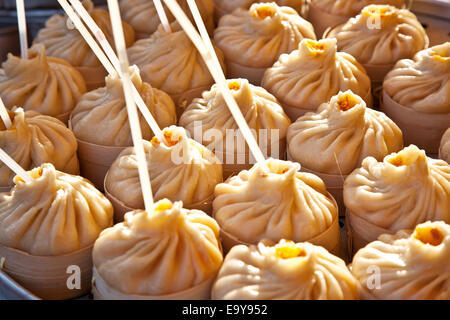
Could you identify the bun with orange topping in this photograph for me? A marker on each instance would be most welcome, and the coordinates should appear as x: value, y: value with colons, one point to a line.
x: 410, y: 265
x: 305, y: 78
x: 274, y: 201
x: 55, y: 214
x: 143, y: 17
x: 444, y: 151
x: 341, y: 135
x: 404, y: 190
x: 167, y: 253
x: 283, y: 271
x: 416, y: 95
x: 253, y: 39
x: 180, y: 169
x: 226, y: 7
x: 261, y: 110
x: 380, y: 36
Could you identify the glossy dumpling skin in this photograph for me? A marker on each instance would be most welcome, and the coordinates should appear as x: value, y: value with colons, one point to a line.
x: 405, y: 189
x: 167, y: 250
x: 381, y: 34
x: 444, y: 151
x: 283, y: 271
x: 143, y: 17
x: 56, y: 214
x: 260, y: 109
x: 341, y: 134
x: 258, y: 36
x: 171, y: 62
x: 350, y: 8
x: 180, y: 169
x: 311, y: 75
x: 48, y: 85
x: 277, y: 202
x: 101, y: 116
x: 64, y: 41
x: 422, y: 83
x: 35, y: 139
x: 411, y: 265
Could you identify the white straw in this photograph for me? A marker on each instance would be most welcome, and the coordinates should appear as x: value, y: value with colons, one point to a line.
x: 22, y: 28
x: 207, y: 51
x: 100, y: 36
x: 14, y: 166
x: 136, y: 133
x: 5, y: 115
x: 162, y: 15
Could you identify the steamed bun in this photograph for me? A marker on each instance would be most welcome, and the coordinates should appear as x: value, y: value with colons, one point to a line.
x: 404, y: 190
x: 275, y: 201
x: 55, y: 214
x: 311, y: 75
x: 143, y: 17
x: 341, y: 135
x: 180, y: 169
x: 48, y: 85
x: 412, y: 265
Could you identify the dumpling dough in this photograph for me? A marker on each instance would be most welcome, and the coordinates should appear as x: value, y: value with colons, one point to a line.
x: 406, y: 189
x: 341, y: 135
x: 165, y: 251
x: 171, y: 62
x: 258, y: 36
x: 283, y: 271
x: 381, y: 34
x: 55, y: 214
x: 350, y: 8
x: 422, y: 83
x: 180, y: 169
x: 65, y: 41
x: 143, y: 17
x: 311, y: 75
x: 411, y: 265
x: 50, y: 86
x: 277, y: 202
x: 444, y: 151
x: 35, y: 139
x: 101, y: 116
x: 229, y: 6
x: 260, y: 109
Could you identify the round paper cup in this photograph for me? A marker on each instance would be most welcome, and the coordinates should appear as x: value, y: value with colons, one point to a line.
x: 93, y: 76
x: 102, y: 291
x: 46, y: 276
x: 422, y: 129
